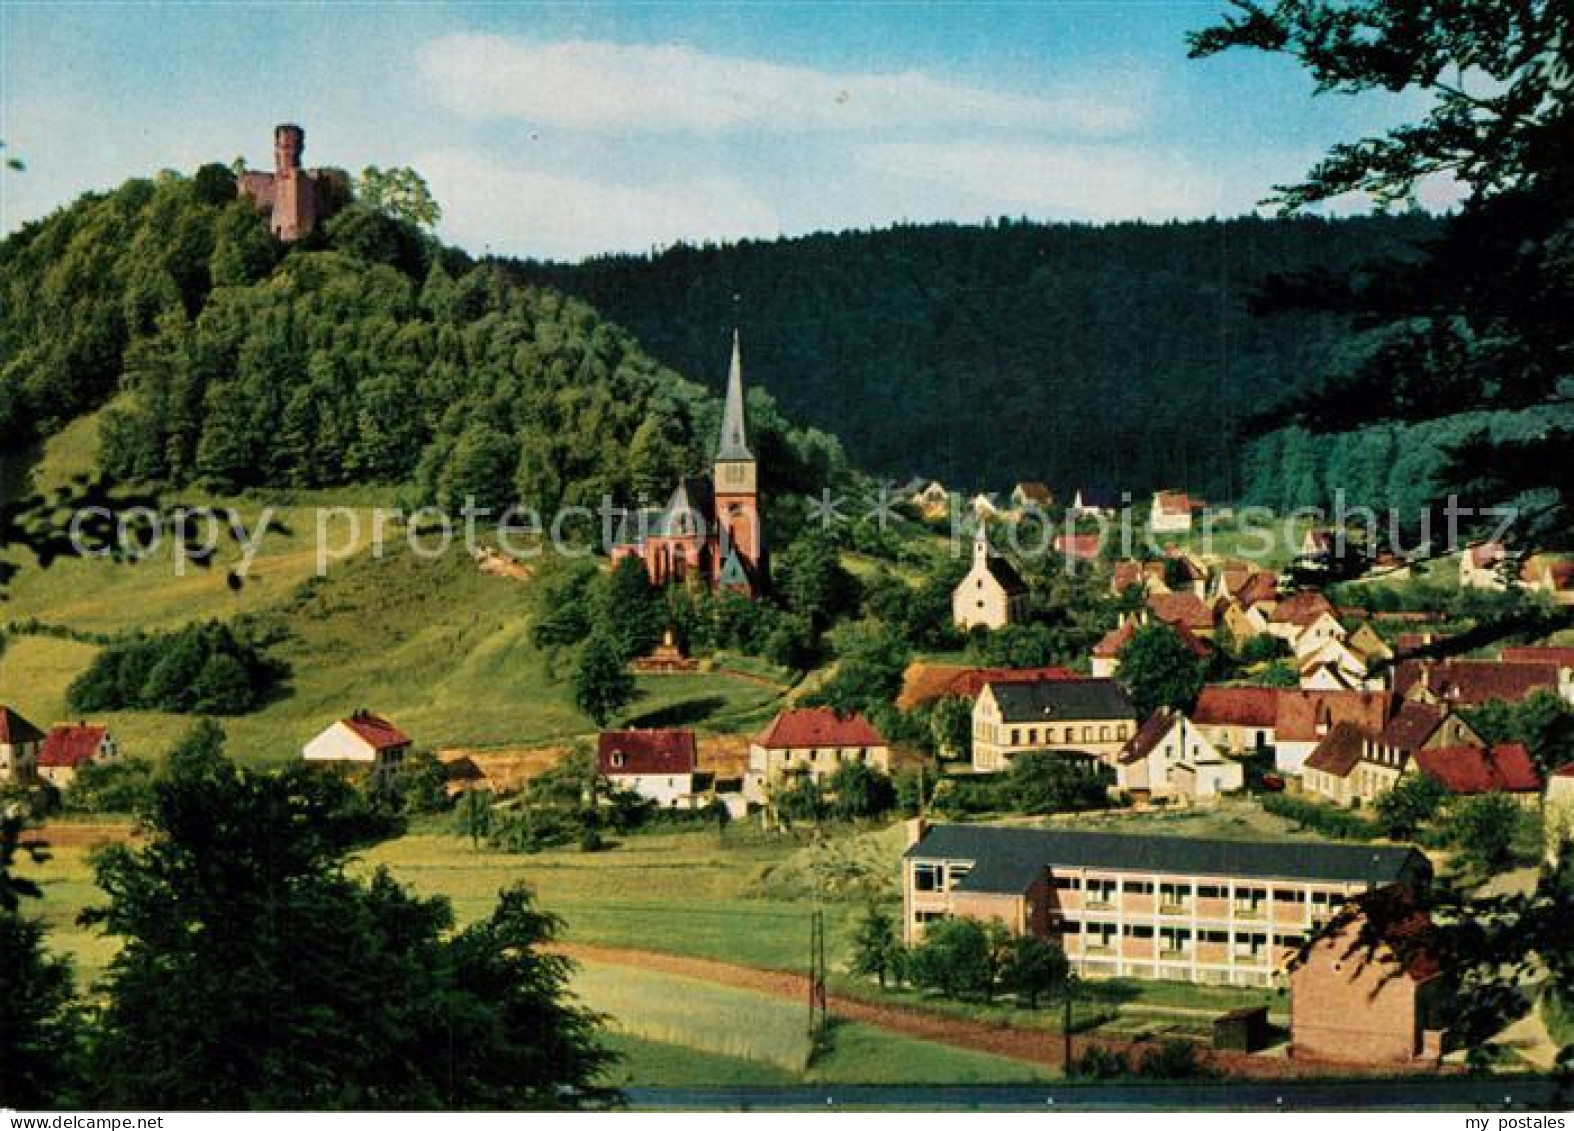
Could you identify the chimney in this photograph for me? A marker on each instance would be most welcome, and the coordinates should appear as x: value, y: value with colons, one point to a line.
x: 916, y: 828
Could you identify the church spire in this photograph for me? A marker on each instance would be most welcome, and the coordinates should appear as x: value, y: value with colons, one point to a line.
x: 734, y: 444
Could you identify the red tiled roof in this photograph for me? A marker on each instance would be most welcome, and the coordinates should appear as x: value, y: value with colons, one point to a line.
x: 1186, y: 609
x: 924, y: 683
x: 1115, y: 640
x: 1258, y: 587
x: 1474, y: 682
x: 1470, y: 769
x: 71, y: 746
x: 1129, y: 573
x: 1148, y: 735
x: 1084, y: 546
x: 1540, y: 654
x: 972, y: 681
x: 1412, y: 725
x: 802, y: 727
x: 1237, y: 706
x: 1035, y: 491
x: 1564, y: 771
x: 1339, y: 751
x: 1172, y: 502
x: 14, y: 729
x: 377, y: 732
x: 1302, y: 608
x: 645, y: 752
x: 1301, y: 711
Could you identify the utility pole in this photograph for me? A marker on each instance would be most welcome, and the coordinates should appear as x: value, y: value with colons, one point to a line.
x: 818, y: 1010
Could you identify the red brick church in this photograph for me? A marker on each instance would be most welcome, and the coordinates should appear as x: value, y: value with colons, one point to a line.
x: 710, y: 529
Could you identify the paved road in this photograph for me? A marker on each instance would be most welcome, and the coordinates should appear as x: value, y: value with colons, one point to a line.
x: 1518, y: 1093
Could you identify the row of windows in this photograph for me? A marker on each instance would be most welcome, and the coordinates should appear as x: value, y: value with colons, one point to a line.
x: 1181, y: 939
x: 1180, y: 893
x: 1050, y: 736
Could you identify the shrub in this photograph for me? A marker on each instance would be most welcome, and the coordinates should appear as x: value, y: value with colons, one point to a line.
x: 1326, y: 819
x: 206, y: 669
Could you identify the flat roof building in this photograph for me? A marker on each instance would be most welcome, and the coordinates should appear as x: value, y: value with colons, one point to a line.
x: 1158, y: 907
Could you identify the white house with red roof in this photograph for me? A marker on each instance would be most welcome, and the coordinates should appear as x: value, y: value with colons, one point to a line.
x: 1170, y: 756
x: 1170, y: 512
x: 1239, y: 720
x: 363, y: 739
x: 815, y: 741
x: 69, y: 747
x: 20, y: 743
x: 659, y: 765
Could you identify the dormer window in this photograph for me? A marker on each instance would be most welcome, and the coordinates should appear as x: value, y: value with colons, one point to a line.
x: 617, y: 759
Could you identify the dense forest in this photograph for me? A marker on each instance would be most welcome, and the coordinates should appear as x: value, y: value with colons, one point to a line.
x: 1119, y: 356
x: 368, y: 354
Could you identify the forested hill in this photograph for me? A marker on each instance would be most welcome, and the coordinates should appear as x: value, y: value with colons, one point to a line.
x: 1114, y: 356
x: 367, y: 354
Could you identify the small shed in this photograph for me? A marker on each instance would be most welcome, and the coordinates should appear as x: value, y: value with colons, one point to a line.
x: 1242, y: 1030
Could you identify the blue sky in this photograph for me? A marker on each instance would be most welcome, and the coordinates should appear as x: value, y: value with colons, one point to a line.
x: 568, y: 129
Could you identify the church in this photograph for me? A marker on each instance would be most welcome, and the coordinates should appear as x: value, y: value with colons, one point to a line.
x: 711, y: 529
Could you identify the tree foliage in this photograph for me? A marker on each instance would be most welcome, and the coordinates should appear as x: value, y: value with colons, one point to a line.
x: 204, y: 668
x: 255, y: 973
x: 1160, y: 670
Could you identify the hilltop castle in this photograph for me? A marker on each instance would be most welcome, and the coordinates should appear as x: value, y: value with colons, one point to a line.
x: 711, y: 527
x: 295, y: 199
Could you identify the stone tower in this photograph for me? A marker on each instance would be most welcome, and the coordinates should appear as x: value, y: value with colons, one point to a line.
x: 294, y: 193
x: 737, y: 490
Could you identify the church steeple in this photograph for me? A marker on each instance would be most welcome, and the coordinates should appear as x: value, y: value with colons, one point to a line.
x: 734, y: 445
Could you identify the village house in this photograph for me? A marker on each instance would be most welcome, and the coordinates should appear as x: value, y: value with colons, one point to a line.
x: 1170, y: 756
x: 363, y: 739
x: 1079, y: 547
x: 1088, y: 716
x: 1128, y: 573
x: 1031, y: 495
x: 993, y: 594
x: 20, y: 744
x: 1336, y: 662
x: 1238, y: 720
x: 1350, y: 766
x: 1155, y: 907
x: 1305, y: 718
x: 1306, y: 612
x: 1551, y: 576
x: 68, y: 748
x: 1368, y: 990
x: 1182, y: 610
x: 711, y: 529
x: 1106, y: 654
x: 934, y: 501
x: 1095, y: 503
x: 1561, y: 658
x: 1170, y: 512
x: 1484, y: 566
x: 1467, y: 771
x: 658, y: 765
x: 925, y: 682
x: 815, y: 741
x: 1473, y: 683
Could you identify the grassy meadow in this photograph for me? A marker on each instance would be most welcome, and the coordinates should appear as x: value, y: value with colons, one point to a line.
x: 433, y: 643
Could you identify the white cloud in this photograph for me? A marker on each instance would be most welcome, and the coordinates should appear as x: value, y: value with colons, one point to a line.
x: 1089, y: 181
x: 592, y: 86
x: 489, y: 206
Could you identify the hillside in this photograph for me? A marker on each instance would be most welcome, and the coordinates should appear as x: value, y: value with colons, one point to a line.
x: 366, y: 354
x: 1118, y: 356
